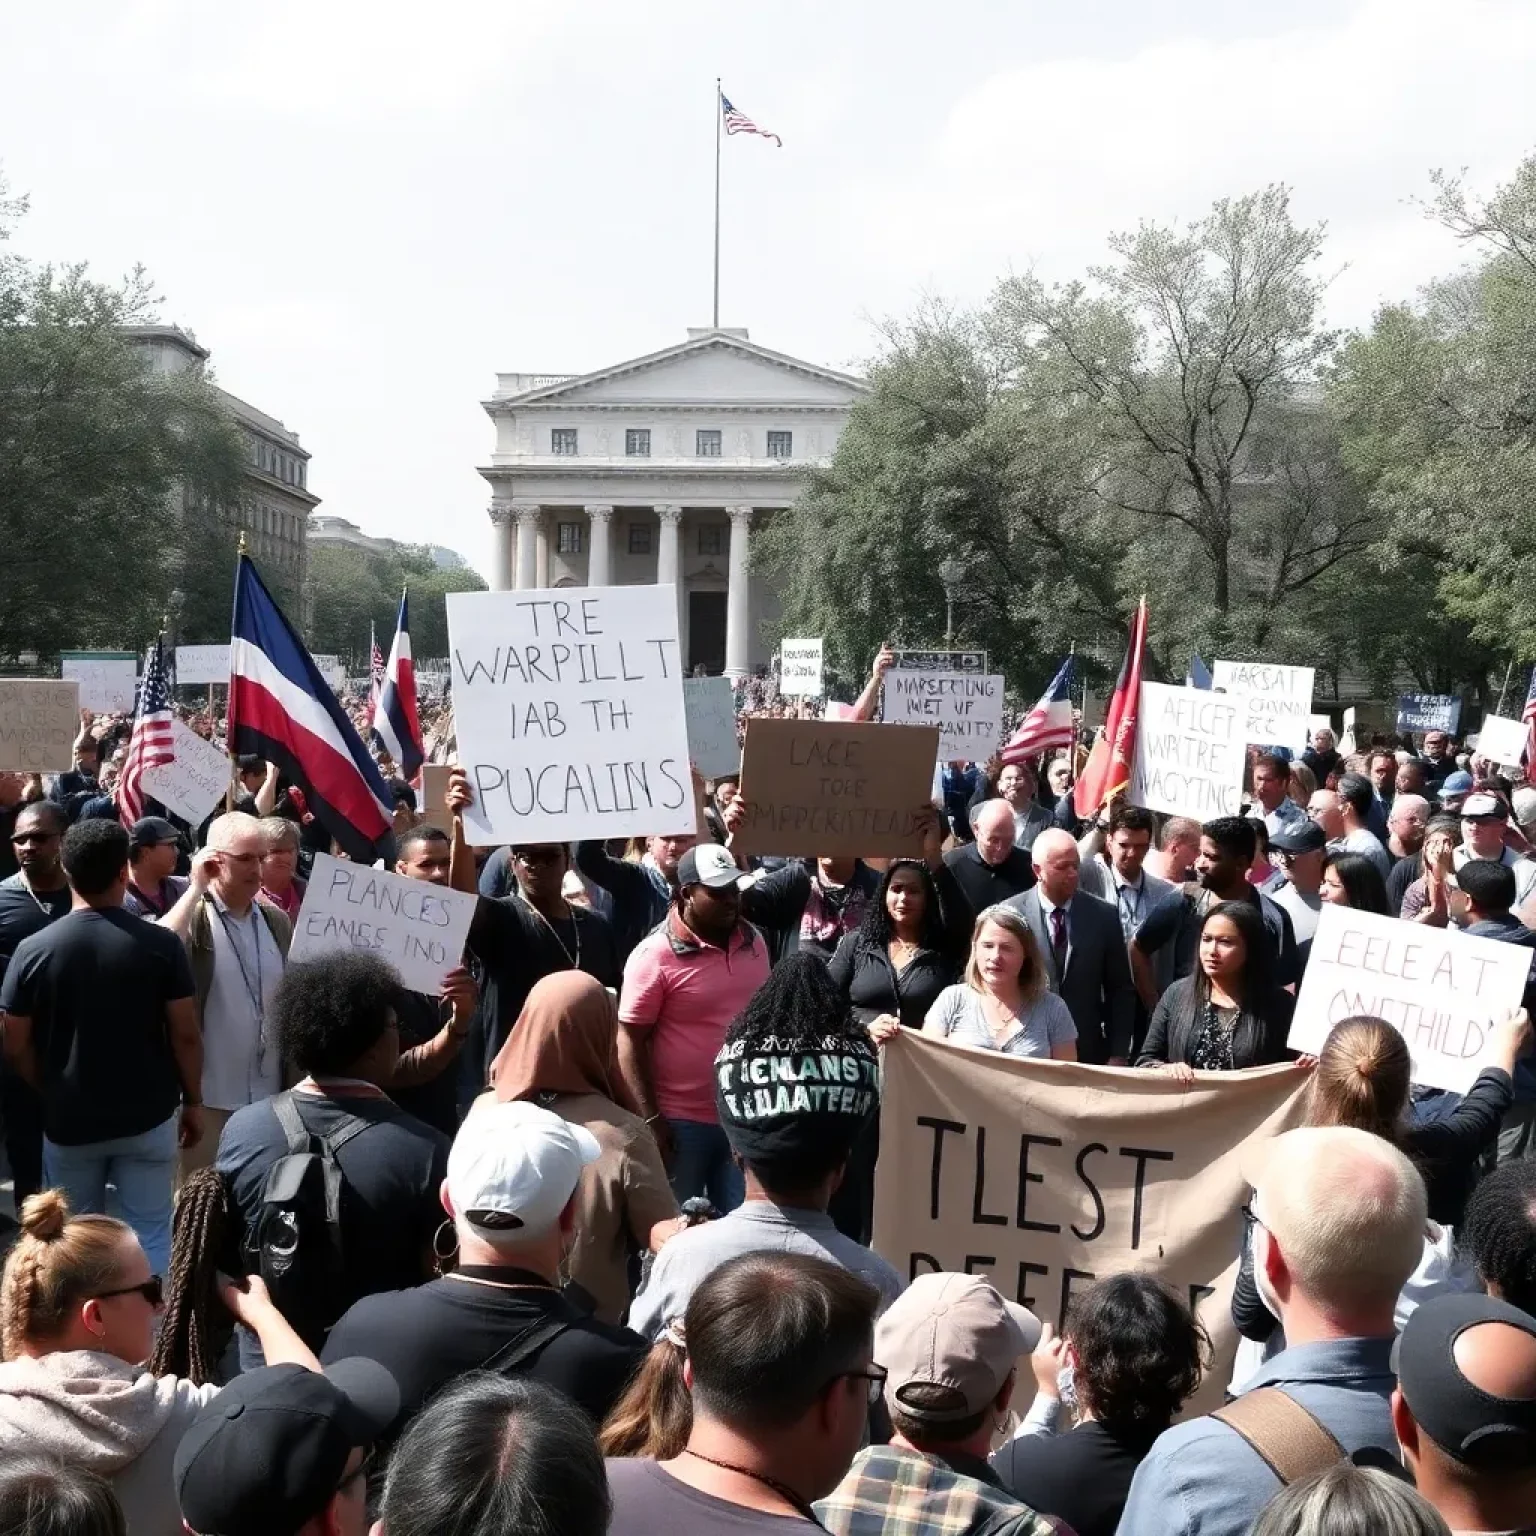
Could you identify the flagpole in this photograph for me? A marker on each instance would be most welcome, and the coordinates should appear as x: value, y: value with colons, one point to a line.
x: 715, y: 323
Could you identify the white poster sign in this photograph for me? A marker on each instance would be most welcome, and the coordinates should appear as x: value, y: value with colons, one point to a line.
x: 419, y: 928
x: 1316, y: 723
x: 711, y: 707
x: 331, y: 669
x: 569, y: 711
x: 1443, y: 989
x: 800, y: 669
x: 1278, y: 699
x: 1189, y: 752
x: 106, y: 678
x: 203, y: 664
x: 1502, y: 740
x: 195, y: 782
x: 966, y: 707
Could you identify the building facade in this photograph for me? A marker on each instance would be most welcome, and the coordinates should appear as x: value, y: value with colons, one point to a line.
x: 658, y: 470
x: 337, y: 530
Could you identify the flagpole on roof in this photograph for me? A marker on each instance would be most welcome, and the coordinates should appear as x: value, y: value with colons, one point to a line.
x: 719, y: 114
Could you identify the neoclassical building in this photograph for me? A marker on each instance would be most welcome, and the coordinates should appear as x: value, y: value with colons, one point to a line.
x: 657, y: 470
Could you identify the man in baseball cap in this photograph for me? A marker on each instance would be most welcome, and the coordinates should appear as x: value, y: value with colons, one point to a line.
x: 154, y: 846
x: 282, y: 1451
x: 950, y: 1346
x: 1464, y: 1411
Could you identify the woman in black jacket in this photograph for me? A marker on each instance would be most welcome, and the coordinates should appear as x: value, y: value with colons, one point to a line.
x: 1229, y: 1014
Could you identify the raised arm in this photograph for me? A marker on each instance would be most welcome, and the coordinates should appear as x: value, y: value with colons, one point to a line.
x: 864, y: 705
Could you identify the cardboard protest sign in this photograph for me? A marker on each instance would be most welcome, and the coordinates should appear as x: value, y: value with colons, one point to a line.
x: 966, y: 707
x: 830, y: 787
x: 1189, y: 752
x: 1443, y: 989
x: 800, y: 669
x: 569, y: 711
x: 195, y: 782
x: 1428, y: 712
x: 106, y: 678
x: 1502, y: 740
x: 710, y: 703
x: 418, y: 927
x: 201, y: 664
x: 434, y: 796
x: 1279, y: 700
x: 39, y: 720
x: 1045, y: 1176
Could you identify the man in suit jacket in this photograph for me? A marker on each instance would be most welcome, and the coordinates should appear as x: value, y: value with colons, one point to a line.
x: 1084, y: 950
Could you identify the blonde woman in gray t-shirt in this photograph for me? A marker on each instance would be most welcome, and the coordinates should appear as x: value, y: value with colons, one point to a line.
x: 1005, y: 1003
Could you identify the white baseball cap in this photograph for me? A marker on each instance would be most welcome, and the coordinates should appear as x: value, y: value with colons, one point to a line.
x: 513, y: 1168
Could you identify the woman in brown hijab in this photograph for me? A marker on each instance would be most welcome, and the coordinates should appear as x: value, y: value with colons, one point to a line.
x: 562, y: 1054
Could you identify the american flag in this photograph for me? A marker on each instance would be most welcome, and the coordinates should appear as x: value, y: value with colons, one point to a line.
x: 1048, y: 724
x: 739, y: 122
x: 1528, y: 714
x: 375, y: 672
x: 152, y: 742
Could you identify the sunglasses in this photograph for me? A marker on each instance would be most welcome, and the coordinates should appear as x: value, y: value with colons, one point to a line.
x: 152, y: 1290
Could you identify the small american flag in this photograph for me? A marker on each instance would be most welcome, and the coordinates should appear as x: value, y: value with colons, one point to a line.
x: 375, y: 673
x: 152, y: 742
x: 1048, y: 724
x: 739, y: 122
x: 1528, y: 714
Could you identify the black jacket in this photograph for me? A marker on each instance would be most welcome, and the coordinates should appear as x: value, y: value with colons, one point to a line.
x: 1258, y: 1040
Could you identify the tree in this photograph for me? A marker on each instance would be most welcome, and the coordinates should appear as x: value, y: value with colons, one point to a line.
x: 98, y: 459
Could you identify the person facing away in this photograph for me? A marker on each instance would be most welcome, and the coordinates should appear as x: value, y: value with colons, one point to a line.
x: 781, y: 1370
x: 1497, y: 1236
x: 950, y: 1347
x: 1344, y: 815
x: 1339, y: 1217
x: 793, y: 1131
x: 42, y: 1495
x: 99, y: 1019
x: 1346, y: 1500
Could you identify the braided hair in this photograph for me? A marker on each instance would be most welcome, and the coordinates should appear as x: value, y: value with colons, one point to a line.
x: 195, y: 1329
x: 58, y: 1261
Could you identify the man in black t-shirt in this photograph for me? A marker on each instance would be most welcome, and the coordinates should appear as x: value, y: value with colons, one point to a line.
x: 100, y: 1019
x: 993, y: 868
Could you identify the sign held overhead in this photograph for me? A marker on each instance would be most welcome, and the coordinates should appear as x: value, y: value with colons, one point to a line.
x: 711, y: 708
x: 966, y: 707
x: 1189, y: 752
x: 194, y: 782
x: 39, y: 720
x: 1278, y: 700
x: 800, y: 669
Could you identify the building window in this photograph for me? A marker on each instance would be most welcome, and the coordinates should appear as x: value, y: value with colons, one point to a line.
x: 568, y: 537
x: 712, y: 538
x: 637, y: 442
x: 562, y: 440
x: 707, y: 443
x: 781, y: 445
x: 301, y: 474
x: 639, y: 538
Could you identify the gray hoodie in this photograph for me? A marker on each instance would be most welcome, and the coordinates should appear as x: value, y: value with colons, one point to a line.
x: 93, y: 1410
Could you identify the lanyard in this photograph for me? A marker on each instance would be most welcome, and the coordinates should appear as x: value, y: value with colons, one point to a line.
x: 253, y: 992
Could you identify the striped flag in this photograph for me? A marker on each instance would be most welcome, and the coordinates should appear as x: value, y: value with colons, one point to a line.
x: 739, y: 122
x: 396, y: 724
x: 1528, y: 714
x: 1048, y: 724
x: 1107, y: 772
x: 152, y: 744
x: 283, y: 710
x: 375, y: 671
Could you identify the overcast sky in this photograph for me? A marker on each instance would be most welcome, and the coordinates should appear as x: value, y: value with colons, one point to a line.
x: 366, y: 210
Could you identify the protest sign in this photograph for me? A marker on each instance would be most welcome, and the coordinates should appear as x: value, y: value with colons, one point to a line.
x: 106, y: 678
x: 1093, y: 709
x: 418, y: 927
x: 569, y: 711
x: 1189, y: 752
x: 833, y: 787
x: 331, y: 669
x: 1443, y: 989
x: 800, y: 669
x: 1346, y: 742
x: 710, y: 703
x: 434, y: 796
x: 1278, y: 699
x: 966, y: 707
x: 1502, y: 740
x: 1428, y: 712
x: 1045, y: 1176
x: 201, y: 664
x: 1316, y: 723
x: 939, y: 661
x: 39, y: 720
x: 193, y: 783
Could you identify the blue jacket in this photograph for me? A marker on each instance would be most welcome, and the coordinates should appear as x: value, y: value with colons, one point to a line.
x: 1510, y: 930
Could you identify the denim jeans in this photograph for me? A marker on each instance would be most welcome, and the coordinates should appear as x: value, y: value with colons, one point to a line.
x: 141, y: 1168
x: 702, y: 1165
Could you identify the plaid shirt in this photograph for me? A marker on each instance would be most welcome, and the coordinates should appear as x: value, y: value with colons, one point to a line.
x: 891, y: 1491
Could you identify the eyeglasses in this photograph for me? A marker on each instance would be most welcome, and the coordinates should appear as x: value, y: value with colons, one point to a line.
x: 876, y: 1376
x: 152, y: 1290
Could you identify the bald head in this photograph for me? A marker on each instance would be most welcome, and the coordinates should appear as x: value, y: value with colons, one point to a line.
x: 1498, y: 1359
x: 1409, y: 817
x: 1054, y: 856
x: 994, y: 828
x: 1327, y: 811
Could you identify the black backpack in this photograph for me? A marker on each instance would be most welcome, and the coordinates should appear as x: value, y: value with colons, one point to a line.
x: 294, y: 1243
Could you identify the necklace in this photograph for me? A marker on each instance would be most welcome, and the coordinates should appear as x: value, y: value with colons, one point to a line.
x: 788, y: 1494
x: 575, y: 960
x: 41, y: 905
x: 500, y: 1285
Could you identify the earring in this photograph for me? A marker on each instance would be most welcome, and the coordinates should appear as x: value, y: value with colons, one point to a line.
x: 442, y: 1260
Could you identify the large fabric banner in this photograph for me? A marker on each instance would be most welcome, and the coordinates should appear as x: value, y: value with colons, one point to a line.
x: 1045, y: 1176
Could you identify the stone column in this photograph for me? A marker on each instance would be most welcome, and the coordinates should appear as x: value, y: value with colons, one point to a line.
x: 527, y: 514
x: 738, y: 597
x: 669, y: 552
x: 501, y: 545
x: 541, y: 551
x: 599, y: 560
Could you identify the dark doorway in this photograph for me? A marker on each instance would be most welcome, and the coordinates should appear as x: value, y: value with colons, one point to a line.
x: 706, y: 631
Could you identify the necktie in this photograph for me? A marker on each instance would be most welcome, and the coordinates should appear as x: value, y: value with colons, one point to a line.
x: 1059, y: 939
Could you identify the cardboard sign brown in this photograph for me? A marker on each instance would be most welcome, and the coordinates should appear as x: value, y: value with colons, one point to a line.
x: 39, y: 720
x: 824, y: 788
x: 434, y: 796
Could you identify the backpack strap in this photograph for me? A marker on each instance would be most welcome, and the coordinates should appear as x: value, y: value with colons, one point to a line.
x: 1292, y: 1442
x: 525, y: 1345
x: 291, y: 1122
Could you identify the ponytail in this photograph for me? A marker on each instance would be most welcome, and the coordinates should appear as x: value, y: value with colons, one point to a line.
x: 1362, y: 1079
x: 654, y: 1417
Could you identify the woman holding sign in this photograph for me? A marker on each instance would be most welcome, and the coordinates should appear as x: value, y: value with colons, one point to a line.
x: 1229, y: 1014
